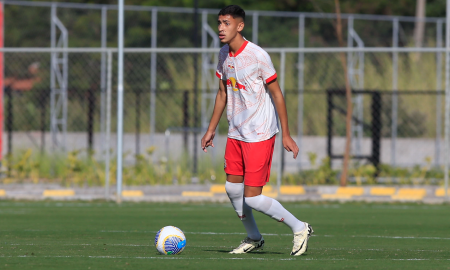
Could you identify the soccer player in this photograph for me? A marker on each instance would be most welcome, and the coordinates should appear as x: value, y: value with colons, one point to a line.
x: 249, y: 89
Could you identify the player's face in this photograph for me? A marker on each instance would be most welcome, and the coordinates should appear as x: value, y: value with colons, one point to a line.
x: 229, y: 27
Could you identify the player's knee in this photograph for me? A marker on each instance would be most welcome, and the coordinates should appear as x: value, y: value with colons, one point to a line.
x: 234, y: 190
x: 260, y: 203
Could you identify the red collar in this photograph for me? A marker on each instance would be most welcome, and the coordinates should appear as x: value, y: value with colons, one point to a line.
x: 240, y: 49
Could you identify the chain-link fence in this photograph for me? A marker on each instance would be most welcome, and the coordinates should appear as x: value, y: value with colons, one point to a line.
x: 410, y: 114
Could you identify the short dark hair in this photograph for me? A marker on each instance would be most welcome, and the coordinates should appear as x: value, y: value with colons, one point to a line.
x: 234, y: 10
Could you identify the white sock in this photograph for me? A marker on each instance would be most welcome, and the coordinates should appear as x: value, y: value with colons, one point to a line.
x: 275, y: 210
x: 235, y: 192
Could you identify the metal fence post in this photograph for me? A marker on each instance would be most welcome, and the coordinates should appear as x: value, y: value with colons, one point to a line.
x: 355, y: 64
x: 394, y: 89
x: 103, y: 83
x: 120, y: 103
x: 153, y: 77
x: 438, y: 96
x: 58, y: 82
x: 195, y: 87
x: 108, y: 123
x: 208, y: 78
x: 280, y: 143
x: 9, y: 126
x: 447, y: 98
x: 349, y: 45
x: 301, y: 85
x: 255, y: 28
x: 137, y: 110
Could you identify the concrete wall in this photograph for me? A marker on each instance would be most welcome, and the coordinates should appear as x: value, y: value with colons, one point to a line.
x: 409, y: 151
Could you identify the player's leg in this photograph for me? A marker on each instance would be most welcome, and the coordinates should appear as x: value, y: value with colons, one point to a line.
x: 271, y: 207
x: 258, y: 160
x: 235, y: 191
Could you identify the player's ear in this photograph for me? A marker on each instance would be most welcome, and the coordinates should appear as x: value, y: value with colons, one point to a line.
x: 241, y: 25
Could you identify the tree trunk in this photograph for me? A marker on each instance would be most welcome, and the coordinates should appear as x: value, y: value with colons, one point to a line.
x: 419, y: 28
x: 348, y: 94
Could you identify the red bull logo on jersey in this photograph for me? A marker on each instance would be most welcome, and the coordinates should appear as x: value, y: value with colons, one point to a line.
x: 235, y: 85
x: 231, y: 67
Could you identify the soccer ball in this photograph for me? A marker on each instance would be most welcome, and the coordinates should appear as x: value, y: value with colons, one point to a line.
x: 170, y: 240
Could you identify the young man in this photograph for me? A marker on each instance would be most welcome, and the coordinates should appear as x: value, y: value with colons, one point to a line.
x: 247, y: 76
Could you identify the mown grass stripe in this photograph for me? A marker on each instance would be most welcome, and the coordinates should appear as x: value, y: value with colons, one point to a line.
x: 181, y: 257
x: 275, y: 234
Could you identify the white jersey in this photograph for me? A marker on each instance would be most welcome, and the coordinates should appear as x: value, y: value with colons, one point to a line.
x: 250, y: 111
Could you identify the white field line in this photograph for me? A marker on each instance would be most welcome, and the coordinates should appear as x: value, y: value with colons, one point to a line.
x: 400, y: 207
x: 194, y: 246
x: 11, y: 211
x: 162, y: 257
x: 411, y: 259
x: 274, y: 234
x: 401, y: 237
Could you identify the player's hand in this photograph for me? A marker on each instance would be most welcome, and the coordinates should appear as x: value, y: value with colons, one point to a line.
x: 207, y: 140
x: 290, y: 145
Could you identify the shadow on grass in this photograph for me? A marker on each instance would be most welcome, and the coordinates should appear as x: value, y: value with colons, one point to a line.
x: 252, y: 253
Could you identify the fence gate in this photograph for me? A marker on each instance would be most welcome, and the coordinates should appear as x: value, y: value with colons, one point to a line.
x: 336, y: 104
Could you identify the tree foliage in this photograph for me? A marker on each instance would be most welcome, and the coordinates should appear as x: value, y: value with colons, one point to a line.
x: 30, y: 26
x: 435, y: 8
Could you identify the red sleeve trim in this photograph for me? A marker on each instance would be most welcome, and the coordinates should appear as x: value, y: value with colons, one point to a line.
x: 218, y: 75
x: 271, y: 78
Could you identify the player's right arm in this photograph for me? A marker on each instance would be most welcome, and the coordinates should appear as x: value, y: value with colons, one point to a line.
x: 219, y: 106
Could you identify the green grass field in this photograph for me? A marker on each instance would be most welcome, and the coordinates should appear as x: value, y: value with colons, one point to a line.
x: 101, y: 235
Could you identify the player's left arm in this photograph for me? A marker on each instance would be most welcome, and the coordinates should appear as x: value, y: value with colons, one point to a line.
x: 278, y: 99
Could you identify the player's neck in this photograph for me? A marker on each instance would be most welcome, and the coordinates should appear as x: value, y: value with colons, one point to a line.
x: 236, y: 43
